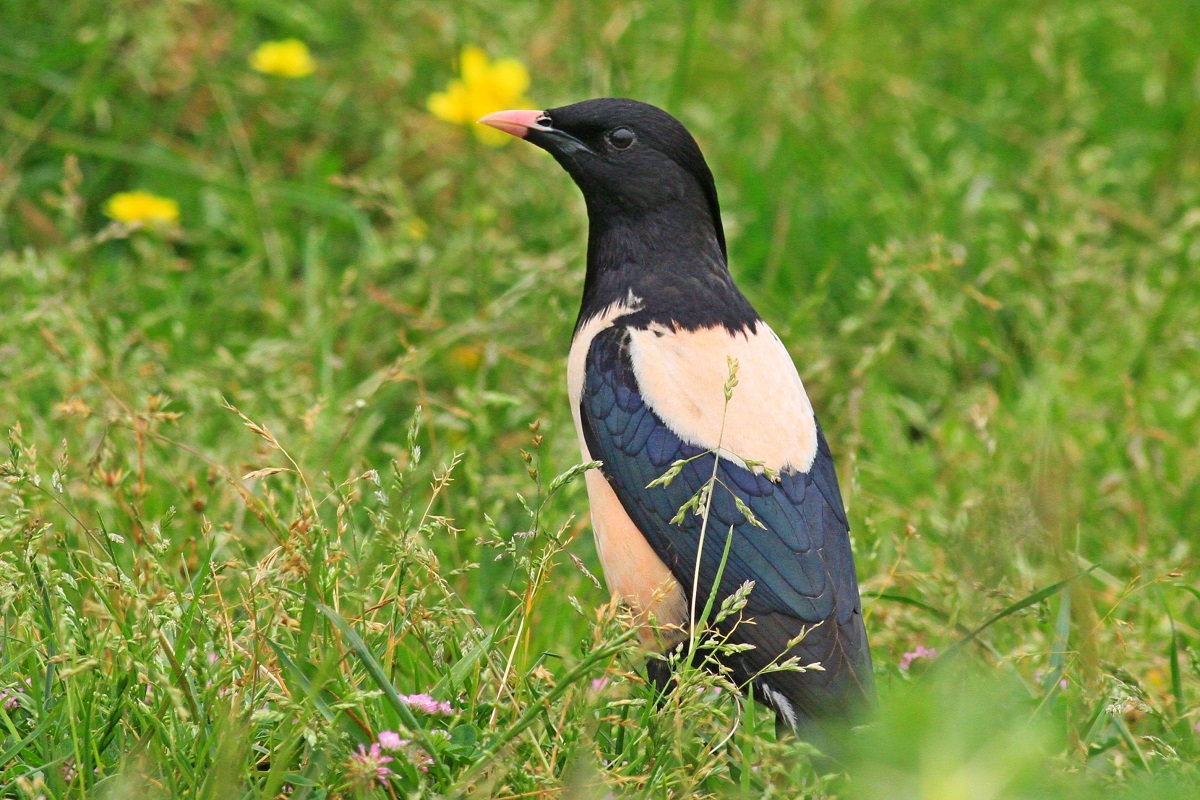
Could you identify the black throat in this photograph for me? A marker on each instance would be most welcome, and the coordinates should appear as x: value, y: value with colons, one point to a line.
x: 672, y: 260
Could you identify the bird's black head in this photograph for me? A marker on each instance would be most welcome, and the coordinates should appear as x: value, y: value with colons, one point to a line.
x: 654, y: 224
x: 628, y: 158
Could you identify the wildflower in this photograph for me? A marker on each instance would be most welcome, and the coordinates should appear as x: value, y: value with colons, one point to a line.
x: 1039, y: 676
x: 416, y: 229
x: 466, y: 356
x: 426, y: 704
x: 142, y: 207
x: 390, y: 740
x: 367, y: 766
x: 598, y: 684
x: 485, y: 86
x: 420, y: 759
x: 68, y: 770
x: 287, y: 58
x: 921, y: 652
x: 9, y: 699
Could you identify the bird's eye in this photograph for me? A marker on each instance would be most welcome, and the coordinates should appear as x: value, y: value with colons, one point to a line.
x: 621, y: 138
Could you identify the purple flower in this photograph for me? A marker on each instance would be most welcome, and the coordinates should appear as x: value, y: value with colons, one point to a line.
x: 426, y: 704
x: 390, y: 740
x: 598, y: 684
x: 420, y: 759
x: 9, y: 700
x: 367, y: 766
x: 68, y: 770
x: 1040, y: 677
x: 921, y: 652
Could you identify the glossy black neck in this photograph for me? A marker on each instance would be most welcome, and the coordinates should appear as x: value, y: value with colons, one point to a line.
x: 672, y: 259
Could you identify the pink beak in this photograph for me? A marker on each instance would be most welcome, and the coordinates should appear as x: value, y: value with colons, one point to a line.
x: 516, y: 123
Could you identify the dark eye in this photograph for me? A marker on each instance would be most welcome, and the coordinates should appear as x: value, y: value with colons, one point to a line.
x: 621, y: 138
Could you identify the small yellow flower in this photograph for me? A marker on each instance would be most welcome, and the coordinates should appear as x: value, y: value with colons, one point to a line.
x: 485, y: 86
x: 288, y: 58
x: 416, y: 229
x: 148, y: 209
x: 467, y: 356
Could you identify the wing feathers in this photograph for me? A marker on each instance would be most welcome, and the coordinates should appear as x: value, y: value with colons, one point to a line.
x: 801, y: 565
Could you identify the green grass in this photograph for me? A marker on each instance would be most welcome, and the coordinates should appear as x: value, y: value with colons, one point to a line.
x: 270, y: 471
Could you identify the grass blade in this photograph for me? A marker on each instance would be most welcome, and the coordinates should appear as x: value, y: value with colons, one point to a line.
x: 375, y: 670
x: 1025, y: 602
x: 1176, y: 674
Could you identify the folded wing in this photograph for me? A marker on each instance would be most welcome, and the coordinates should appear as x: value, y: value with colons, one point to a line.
x: 801, y: 563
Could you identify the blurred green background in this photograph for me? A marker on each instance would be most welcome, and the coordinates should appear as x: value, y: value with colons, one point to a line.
x: 975, y: 225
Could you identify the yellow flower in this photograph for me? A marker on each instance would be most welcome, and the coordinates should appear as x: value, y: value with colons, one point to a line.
x: 485, y: 86
x: 467, y: 356
x: 416, y: 229
x: 143, y: 207
x: 288, y: 58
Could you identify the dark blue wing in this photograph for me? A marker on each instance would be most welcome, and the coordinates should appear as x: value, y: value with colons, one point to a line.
x: 801, y: 565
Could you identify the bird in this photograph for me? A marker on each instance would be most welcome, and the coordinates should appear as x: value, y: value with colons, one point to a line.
x: 676, y: 384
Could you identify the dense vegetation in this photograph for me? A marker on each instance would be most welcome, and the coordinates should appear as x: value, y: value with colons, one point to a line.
x: 277, y: 468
